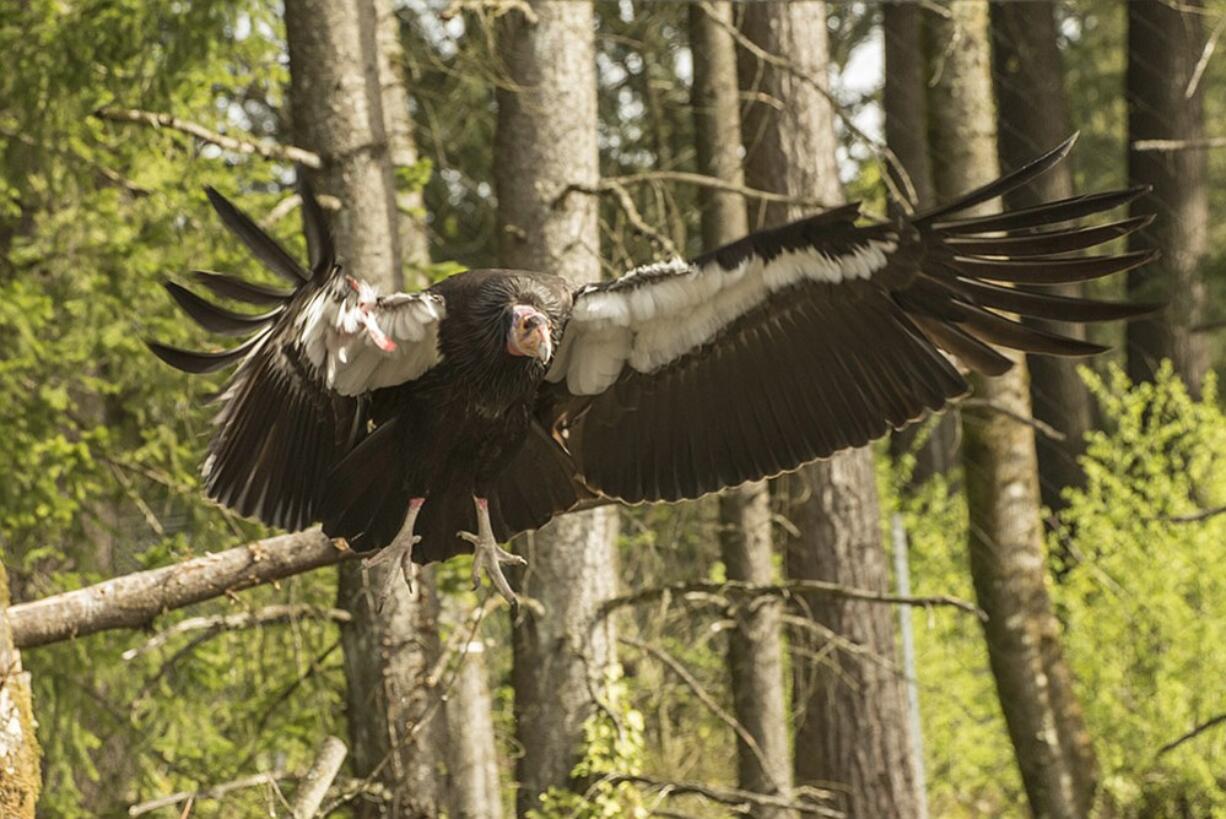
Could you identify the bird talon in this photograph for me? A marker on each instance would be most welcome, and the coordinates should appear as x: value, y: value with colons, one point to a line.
x: 491, y: 557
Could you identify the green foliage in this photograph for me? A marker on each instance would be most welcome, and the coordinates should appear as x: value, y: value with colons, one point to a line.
x: 1143, y: 610
x: 1145, y: 606
x: 612, y: 744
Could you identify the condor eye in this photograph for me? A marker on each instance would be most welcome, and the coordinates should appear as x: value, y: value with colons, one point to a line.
x: 532, y: 322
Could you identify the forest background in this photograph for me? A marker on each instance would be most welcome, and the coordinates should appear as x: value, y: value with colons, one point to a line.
x: 995, y: 615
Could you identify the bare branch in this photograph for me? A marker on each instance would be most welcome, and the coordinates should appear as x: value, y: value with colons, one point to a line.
x: 704, y: 181
x: 263, y: 148
x: 286, y: 205
x: 740, y: 801
x: 1197, y: 517
x: 216, y: 624
x: 1195, y: 732
x: 1041, y: 426
x: 134, y: 600
x: 705, y: 698
x: 738, y: 588
x: 318, y: 779
x: 1178, y: 144
x: 214, y: 792
x: 626, y: 201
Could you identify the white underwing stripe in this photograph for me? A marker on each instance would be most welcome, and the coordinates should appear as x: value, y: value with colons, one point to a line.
x: 654, y: 315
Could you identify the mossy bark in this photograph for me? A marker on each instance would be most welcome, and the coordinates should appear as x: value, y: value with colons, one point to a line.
x: 20, y: 777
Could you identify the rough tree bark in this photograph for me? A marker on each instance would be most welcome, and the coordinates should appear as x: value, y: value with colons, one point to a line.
x: 851, y: 731
x: 20, y: 778
x: 1165, y: 42
x: 1033, y: 117
x: 755, y: 652
x: 473, y: 762
x: 1006, y: 544
x: 906, y: 123
x: 337, y: 102
x: 546, y: 141
x: 465, y: 727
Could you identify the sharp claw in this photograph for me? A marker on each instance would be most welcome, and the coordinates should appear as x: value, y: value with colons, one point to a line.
x: 488, y: 555
x: 400, y: 551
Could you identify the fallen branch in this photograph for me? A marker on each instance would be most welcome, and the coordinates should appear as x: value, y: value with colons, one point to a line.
x: 314, y: 786
x: 269, y: 615
x: 737, y: 588
x: 215, y: 792
x: 134, y: 600
x: 263, y: 148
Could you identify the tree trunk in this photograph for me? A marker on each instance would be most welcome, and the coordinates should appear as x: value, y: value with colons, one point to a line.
x: 755, y: 652
x: 1033, y: 117
x: 1006, y: 544
x: 414, y: 241
x: 20, y: 778
x: 337, y: 101
x: 473, y: 760
x: 1165, y: 42
x: 906, y: 135
x: 546, y: 141
x: 851, y: 730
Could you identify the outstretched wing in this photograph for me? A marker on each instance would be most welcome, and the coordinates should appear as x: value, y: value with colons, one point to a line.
x: 294, y: 407
x: 794, y: 343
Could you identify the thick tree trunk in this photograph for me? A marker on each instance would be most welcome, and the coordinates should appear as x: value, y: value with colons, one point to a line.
x: 1165, y: 42
x: 20, y: 779
x: 851, y: 726
x: 1033, y: 117
x: 337, y: 101
x: 755, y: 651
x: 1006, y: 543
x: 906, y: 134
x: 546, y: 141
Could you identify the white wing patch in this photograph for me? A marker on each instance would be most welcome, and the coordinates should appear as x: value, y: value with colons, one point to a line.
x: 677, y: 307
x: 359, y: 341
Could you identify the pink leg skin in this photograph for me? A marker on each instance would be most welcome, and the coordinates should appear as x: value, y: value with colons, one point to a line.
x: 399, y: 551
x: 489, y: 556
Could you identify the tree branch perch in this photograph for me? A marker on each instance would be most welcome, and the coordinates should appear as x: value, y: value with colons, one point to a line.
x: 134, y: 600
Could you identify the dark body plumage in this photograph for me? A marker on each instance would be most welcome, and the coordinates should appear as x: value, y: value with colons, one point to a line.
x: 675, y: 380
x: 449, y: 435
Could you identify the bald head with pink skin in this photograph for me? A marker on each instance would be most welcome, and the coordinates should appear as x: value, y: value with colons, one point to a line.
x: 530, y: 334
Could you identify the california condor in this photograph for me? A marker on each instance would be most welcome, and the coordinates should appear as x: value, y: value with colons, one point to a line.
x: 486, y: 404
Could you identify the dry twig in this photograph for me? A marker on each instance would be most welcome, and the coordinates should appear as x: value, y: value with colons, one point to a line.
x: 262, y: 148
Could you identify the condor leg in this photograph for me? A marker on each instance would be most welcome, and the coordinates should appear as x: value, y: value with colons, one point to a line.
x: 489, y: 556
x: 400, y: 551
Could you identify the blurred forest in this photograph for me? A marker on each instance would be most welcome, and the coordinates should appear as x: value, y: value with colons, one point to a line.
x: 942, y: 624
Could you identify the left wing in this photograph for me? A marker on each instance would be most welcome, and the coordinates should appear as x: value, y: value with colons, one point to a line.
x: 294, y: 408
x: 794, y: 343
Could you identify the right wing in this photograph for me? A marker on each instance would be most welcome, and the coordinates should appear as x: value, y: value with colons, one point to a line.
x: 295, y: 407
